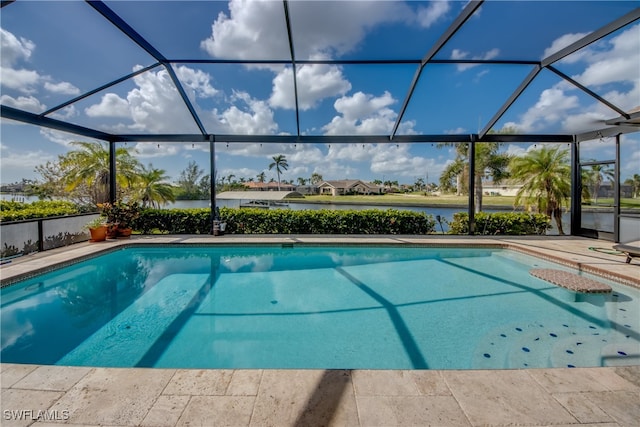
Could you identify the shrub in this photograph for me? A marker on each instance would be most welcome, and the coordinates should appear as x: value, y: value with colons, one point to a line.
x: 16, y: 211
x: 501, y: 223
x: 285, y: 221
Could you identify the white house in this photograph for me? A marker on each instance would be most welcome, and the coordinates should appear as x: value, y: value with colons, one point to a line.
x: 348, y: 186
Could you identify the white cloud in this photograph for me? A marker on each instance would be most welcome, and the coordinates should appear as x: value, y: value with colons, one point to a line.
x: 66, y: 113
x: 22, y: 80
x: 197, y: 80
x: 383, y: 159
x: 427, y: 16
x: 398, y: 160
x: 609, y: 61
x: 64, y: 88
x: 617, y: 63
x: 562, y: 42
x: 457, y: 54
x: 14, y: 49
x: 255, y: 29
x: 26, y: 103
x: 552, y: 107
x: 21, y: 163
x: 315, y: 82
x: 61, y: 138
x: 111, y: 105
x: 455, y: 131
x: 148, y: 150
x: 256, y: 119
x: 156, y: 106
x: 363, y: 114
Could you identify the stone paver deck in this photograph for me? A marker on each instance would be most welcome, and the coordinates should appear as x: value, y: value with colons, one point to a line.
x: 50, y: 395
x: 47, y: 396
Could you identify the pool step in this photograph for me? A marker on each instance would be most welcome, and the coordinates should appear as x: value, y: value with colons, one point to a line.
x: 571, y: 281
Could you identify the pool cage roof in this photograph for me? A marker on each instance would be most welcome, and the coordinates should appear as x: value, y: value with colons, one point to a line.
x: 324, y: 72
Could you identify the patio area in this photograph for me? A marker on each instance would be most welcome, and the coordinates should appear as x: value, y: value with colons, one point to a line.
x: 50, y: 395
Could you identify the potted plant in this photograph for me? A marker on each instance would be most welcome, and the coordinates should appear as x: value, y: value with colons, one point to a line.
x: 120, y: 216
x: 219, y: 225
x: 98, y: 229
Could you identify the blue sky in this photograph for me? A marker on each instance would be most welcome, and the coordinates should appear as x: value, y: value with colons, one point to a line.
x: 44, y: 64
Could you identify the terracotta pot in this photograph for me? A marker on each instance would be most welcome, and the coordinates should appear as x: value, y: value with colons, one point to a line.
x: 98, y: 234
x: 124, y: 233
x: 112, y: 231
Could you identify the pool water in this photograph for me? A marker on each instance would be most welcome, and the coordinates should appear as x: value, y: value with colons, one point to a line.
x: 315, y: 307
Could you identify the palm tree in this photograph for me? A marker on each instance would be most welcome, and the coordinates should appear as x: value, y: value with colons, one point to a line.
x: 596, y: 177
x: 634, y: 182
x: 154, y: 190
x: 261, y: 177
x: 546, y: 176
x: 316, y: 178
x: 89, y: 165
x: 280, y: 163
x: 489, y: 162
x: 455, y: 170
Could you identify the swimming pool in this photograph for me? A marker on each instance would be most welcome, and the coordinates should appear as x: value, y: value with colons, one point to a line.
x: 300, y: 306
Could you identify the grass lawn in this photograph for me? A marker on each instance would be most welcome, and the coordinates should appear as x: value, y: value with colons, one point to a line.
x: 419, y: 199
x: 415, y: 199
x: 625, y: 202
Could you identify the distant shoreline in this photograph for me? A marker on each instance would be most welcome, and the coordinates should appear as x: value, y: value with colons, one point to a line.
x: 397, y: 203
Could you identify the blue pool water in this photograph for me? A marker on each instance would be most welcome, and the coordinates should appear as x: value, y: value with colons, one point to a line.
x: 314, y: 307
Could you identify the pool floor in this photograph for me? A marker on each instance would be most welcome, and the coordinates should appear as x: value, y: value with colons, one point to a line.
x: 311, y: 308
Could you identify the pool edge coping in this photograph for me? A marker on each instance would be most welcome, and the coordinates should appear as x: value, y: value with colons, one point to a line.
x: 307, y: 240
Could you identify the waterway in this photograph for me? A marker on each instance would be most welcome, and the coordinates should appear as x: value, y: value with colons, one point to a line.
x: 599, y: 220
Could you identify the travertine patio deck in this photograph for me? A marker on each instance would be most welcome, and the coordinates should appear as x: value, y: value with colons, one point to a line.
x: 31, y: 395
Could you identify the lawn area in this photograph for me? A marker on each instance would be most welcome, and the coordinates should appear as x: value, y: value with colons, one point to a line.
x: 414, y: 199
x: 419, y: 199
x: 625, y: 202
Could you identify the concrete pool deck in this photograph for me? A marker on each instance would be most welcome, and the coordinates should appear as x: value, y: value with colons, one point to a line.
x: 49, y: 395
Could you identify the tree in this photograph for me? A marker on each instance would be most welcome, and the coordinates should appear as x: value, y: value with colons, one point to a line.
x: 596, y: 177
x: 261, y: 177
x: 489, y: 162
x: 316, y: 178
x: 280, y: 164
x: 546, y: 177
x: 188, y: 182
x: 153, y: 188
x: 454, y: 172
x: 301, y: 181
x: 82, y: 175
x: 634, y: 182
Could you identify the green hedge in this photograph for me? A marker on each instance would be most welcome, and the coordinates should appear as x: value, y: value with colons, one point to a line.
x: 501, y: 223
x: 173, y: 221
x: 16, y: 211
x: 285, y: 221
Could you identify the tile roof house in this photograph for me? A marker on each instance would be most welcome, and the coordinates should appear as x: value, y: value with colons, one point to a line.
x: 348, y: 186
x: 269, y: 186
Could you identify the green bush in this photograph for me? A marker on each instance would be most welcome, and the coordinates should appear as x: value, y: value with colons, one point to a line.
x: 501, y: 223
x: 285, y: 221
x: 16, y: 211
x: 173, y: 221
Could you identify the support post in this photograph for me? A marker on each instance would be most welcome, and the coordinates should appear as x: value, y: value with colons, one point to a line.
x: 472, y: 181
x: 616, y: 193
x: 212, y: 178
x: 576, y: 190
x: 112, y: 172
